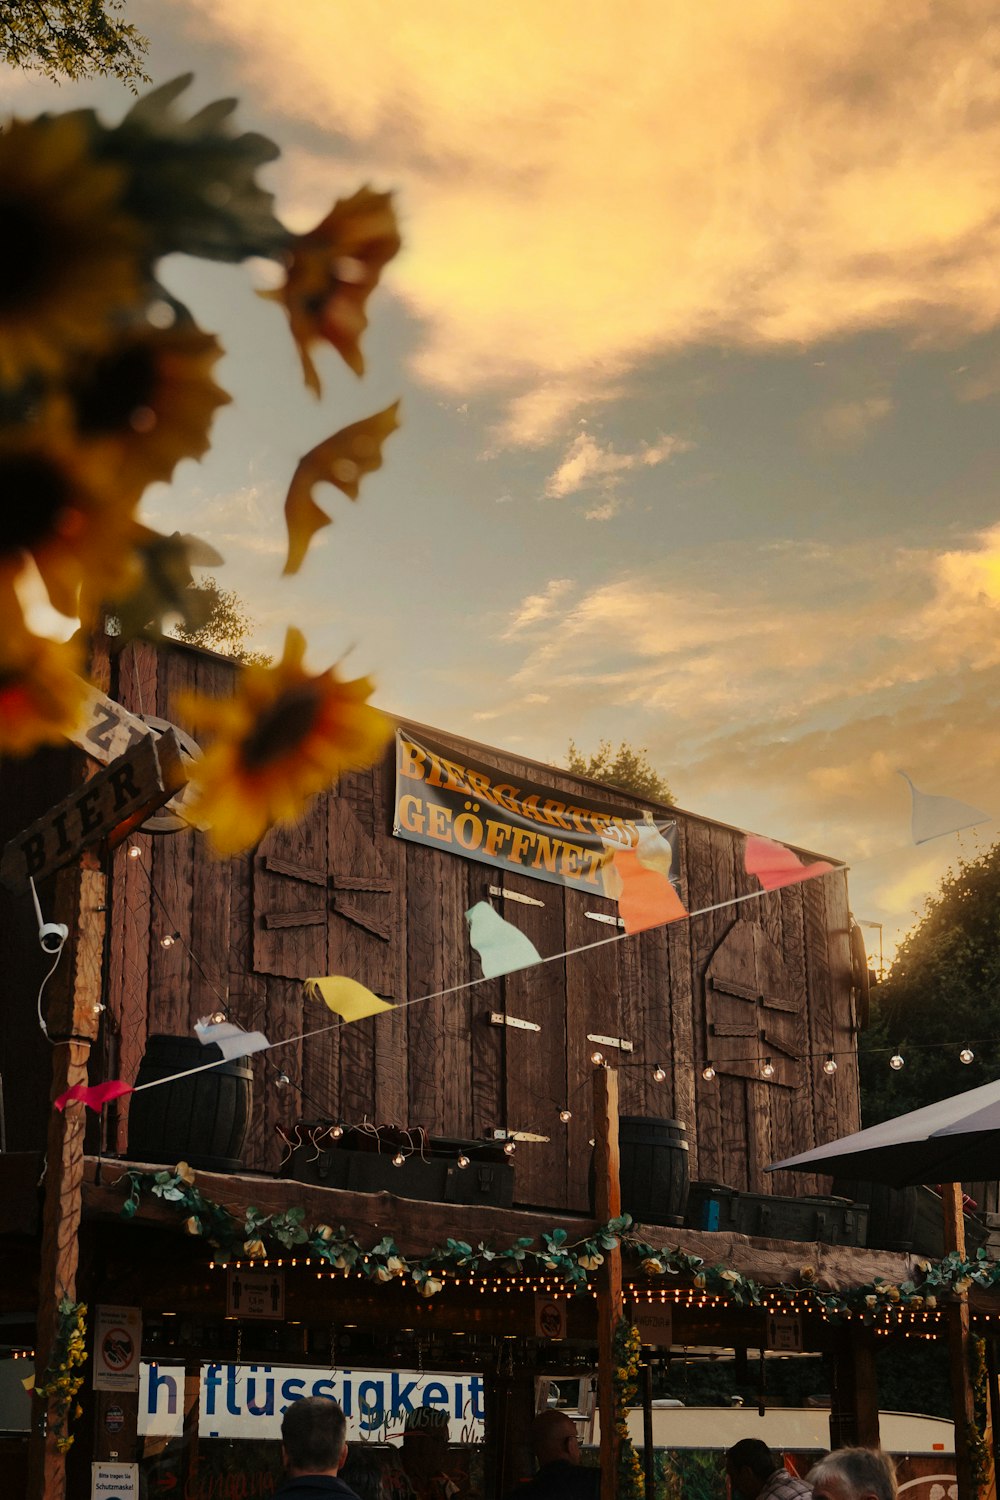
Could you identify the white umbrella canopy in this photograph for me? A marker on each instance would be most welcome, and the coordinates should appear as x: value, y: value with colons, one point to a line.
x: 955, y: 1140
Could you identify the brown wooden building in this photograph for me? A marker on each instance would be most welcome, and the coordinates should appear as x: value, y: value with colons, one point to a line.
x: 763, y: 976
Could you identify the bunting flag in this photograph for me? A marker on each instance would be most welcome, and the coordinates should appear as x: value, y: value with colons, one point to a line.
x: 501, y: 947
x: 647, y: 897
x: 776, y: 866
x: 231, y: 1040
x: 345, y: 997
x: 932, y: 817
x: 95, y: 1096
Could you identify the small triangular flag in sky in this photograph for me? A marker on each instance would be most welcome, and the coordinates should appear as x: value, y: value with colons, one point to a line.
x: 346, y: 997
x: 95, y: 1095
x: 231, y: 1040
x: 501, y: 947
x: 935, y: 816
x: 776, y: 866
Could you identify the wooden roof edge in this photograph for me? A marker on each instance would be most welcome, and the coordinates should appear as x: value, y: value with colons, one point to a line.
x: 418, y: 1226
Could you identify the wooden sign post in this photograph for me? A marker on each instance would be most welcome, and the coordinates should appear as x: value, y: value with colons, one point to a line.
x: 607, y: 1205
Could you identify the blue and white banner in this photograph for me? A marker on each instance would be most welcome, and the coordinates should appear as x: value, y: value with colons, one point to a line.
x: 248, y: 1401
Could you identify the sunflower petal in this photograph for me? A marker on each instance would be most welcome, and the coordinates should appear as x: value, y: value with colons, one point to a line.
x: 340, y: 460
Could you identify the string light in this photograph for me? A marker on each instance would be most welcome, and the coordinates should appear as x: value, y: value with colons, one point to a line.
x: 966, y: 1055
x: 708, y: 1072
x: 597, y: 1058
x: 462, y: 1162
x: 509, y: 1147
x: 218, y: 1017
x: 169, y: 939
x: 134, y: 852
x: 659, y: 1074
x: 398, y: 1159
x: 767, y: 1068
x: 282, y: 1081
x: 830, y: 1066
x: 565, y: 1115
x: 896, y: 1062
x: 336, y: 1131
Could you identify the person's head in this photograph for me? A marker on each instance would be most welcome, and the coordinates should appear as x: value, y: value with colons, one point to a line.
x: 364, y: 1472
x: 554, y: 1436
x: 425, y: 1441
x: 854, y: 1474
x: 313, y: 1433
x: 750, y: 1464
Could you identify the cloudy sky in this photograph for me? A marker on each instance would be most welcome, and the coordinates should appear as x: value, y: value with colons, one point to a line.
x: 696, y: 334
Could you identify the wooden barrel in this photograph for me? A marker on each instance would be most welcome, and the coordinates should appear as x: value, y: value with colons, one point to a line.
x: 654, y: 1169
x: 892, y: 1212
x: 202, y: 1119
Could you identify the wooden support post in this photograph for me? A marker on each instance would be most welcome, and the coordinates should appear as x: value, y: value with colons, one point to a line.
x: 957, y: 1323
x: 607, y: 1205
x: 854, y: 1413
x: 74, y: 998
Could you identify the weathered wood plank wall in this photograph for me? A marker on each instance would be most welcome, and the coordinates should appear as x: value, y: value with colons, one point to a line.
x: 337, y: 893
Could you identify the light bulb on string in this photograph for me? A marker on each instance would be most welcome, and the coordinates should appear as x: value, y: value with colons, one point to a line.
x: 282, y: 1081
x: 509, y: 1147
x: 336, y: 1131
x: 966, y: 1055
x: 830, y: 1066
x: 134, y: 852
x: 565, y: 1115
x: 767, y: 1068
x: 462, y: 1162
x: 896, y: 1061
x: 398, y: 1159
x: 217, y: 1018
x: 597, y: 1058
x: 659, y: 1074
x: 708, y: 1072
x: 169, y: 939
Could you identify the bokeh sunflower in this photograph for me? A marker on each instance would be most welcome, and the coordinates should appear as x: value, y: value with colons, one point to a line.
x: 69, y: 255
x: 283, y: 737
x: 62, y: 509
x: 41, y: 693
x: 151, y: 398
x: 331, y: 272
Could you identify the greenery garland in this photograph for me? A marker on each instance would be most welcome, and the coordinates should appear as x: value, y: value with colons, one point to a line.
x: 980, y: 1453
x: 627, y: 1353
x: 61, y: 1381
x: 258, y: 1235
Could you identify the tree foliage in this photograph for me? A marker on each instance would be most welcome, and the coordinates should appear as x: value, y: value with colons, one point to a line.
x: 625, y: 768
x: 71, y: 39
x: 226, y: 626
x: 942, y: 994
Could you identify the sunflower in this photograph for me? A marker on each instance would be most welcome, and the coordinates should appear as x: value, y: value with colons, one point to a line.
x: 68, y: 254
x: 331, y: 271
x: 151, y: 399
x: 61, y: 509
x: 282, y: 738
x: 41, y: 694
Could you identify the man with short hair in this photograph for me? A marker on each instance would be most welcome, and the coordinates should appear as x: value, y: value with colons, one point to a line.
x: 314, y: 1447
x: 854, y: 1474
x: 755, y: 1473
x: 557, y: 1450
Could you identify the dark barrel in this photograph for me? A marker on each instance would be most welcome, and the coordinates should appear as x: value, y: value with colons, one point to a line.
x: 892, y: 1212
x: 654, y: 1169
x: 202, y: 1119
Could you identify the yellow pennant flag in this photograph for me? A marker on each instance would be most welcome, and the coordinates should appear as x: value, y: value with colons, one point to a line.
x: 346, y: 997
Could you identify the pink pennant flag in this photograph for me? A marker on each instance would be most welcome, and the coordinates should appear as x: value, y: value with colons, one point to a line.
x: 775, y: 866
x: 95, y: 1096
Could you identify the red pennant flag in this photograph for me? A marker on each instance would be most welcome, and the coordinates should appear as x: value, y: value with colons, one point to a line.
x: 775, y: 866
x: 96, y: 1096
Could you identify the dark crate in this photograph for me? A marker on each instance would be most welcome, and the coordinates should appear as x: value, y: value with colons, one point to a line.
x: 431, y: 1175
x: 831, y: 1221
x: 910, y: 1219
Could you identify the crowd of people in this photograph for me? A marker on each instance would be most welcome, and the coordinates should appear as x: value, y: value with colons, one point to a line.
x: 320, y: 1464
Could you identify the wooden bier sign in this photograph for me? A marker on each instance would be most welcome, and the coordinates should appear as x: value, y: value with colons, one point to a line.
x: 108, y: 806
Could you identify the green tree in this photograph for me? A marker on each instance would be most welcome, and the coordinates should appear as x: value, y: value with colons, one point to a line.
x: 226, y: 625
x: 625, y: 768
x: 942, y: 994
x: 71, y: 39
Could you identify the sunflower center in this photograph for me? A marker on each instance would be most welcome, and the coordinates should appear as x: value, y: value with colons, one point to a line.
x: 25, y: 253
x: 37, y: 495
x: 283, y: 728
x: 118, y: 385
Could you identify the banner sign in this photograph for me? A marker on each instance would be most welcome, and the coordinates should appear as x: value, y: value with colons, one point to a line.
x: 248, y: 1401
x: 477, y: 811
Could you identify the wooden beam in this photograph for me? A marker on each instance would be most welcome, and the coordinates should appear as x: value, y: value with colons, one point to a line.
x: 608, y: 1205
x: 73, y: 1016
x: 957, y: 1321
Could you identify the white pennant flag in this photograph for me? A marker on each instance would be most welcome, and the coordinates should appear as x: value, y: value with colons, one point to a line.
x: 935, y: 816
